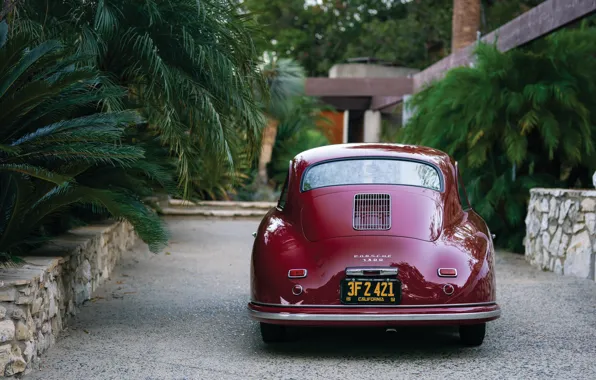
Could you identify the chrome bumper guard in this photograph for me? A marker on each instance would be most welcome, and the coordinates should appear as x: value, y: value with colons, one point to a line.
x: 372, y: 317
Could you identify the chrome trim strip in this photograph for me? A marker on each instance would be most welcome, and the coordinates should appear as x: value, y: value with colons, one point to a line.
x: 383, y: 271
x: 377, y: 306
x: 372, y: 317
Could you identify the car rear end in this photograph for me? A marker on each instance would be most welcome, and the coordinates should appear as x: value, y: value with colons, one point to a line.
x: 371, y: 248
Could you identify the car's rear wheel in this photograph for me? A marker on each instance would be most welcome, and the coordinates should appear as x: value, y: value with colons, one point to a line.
x: 272, y: 333
x: 472, y: 335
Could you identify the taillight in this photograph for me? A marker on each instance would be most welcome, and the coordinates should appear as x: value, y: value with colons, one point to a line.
x: 297, y: 273
x: 447, y: 272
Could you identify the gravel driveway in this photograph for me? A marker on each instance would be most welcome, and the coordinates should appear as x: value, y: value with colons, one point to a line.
x: 182, y: 315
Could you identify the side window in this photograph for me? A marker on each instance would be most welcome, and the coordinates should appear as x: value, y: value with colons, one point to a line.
x: 283, y: 198
x: 463, y: 196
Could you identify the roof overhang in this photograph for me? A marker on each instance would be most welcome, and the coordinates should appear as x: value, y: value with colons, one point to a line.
x: 379, y: 94
x: 343, y: 87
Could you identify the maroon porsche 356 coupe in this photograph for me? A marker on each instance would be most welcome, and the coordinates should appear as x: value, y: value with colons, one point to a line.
x: 373, y: 235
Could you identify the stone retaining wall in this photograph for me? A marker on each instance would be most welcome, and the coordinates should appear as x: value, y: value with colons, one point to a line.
x: 560, y: 228
x: 37, y: 298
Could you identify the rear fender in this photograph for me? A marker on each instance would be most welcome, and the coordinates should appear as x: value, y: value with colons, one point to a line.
x: 278, y: 247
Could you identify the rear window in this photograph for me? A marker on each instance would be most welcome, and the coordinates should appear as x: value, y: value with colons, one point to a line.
x: 371, y: 172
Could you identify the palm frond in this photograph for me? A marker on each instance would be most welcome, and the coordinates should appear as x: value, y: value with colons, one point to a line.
x: 9, y: 77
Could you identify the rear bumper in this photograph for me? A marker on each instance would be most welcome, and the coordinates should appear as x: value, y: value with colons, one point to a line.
x: 346, y: 316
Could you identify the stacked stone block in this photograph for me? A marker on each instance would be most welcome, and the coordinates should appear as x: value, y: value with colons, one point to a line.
x: 38, y: 296
x: 560, y: 231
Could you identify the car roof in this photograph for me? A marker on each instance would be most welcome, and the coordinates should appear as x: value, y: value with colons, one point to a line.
x: 339, y: 151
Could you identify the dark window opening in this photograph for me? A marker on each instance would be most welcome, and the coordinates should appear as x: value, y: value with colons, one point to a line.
x: 356, y: 127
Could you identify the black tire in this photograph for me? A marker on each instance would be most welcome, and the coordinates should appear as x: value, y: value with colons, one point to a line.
x: 272, y: 333
x: 472, y: 335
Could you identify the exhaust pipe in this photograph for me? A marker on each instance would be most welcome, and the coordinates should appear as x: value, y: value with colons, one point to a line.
x: 390, y: 330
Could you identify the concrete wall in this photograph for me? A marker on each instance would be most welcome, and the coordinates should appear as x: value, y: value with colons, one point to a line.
x: 38, y: 297
x: 406, y: 111
x: 560, y: 231
x: 369, y: 70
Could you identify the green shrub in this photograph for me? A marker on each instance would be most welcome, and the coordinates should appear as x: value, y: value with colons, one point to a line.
x: 514, y: 121
x: 218, y: 179
x: 286, y: 150
x: 297, y: 132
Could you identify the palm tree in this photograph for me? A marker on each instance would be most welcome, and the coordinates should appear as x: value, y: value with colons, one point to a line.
x: 59, y: 151
x: 465, y: 23
x: 285, y: 80
x: 189, y: 67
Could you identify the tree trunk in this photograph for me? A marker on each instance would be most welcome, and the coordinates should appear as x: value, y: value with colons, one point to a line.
x: 465, y: 23
x: 269, y: 134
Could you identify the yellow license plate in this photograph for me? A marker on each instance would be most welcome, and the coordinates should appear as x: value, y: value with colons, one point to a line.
x: 370, y: 291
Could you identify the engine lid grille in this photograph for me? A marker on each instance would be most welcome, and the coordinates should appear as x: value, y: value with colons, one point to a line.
x: 372, y: 212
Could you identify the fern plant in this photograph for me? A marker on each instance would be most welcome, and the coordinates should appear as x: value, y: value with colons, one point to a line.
x: 516, y: 120
x: 58, y: 150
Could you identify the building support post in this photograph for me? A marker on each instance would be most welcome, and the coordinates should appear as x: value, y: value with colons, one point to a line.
x: 372, y: 126
x: 346, y: 126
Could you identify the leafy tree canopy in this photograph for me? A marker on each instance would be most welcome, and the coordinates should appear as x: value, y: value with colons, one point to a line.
x: 320, y: 33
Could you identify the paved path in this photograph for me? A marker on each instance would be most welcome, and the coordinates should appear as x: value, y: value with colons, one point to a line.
x: 183, y: 316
